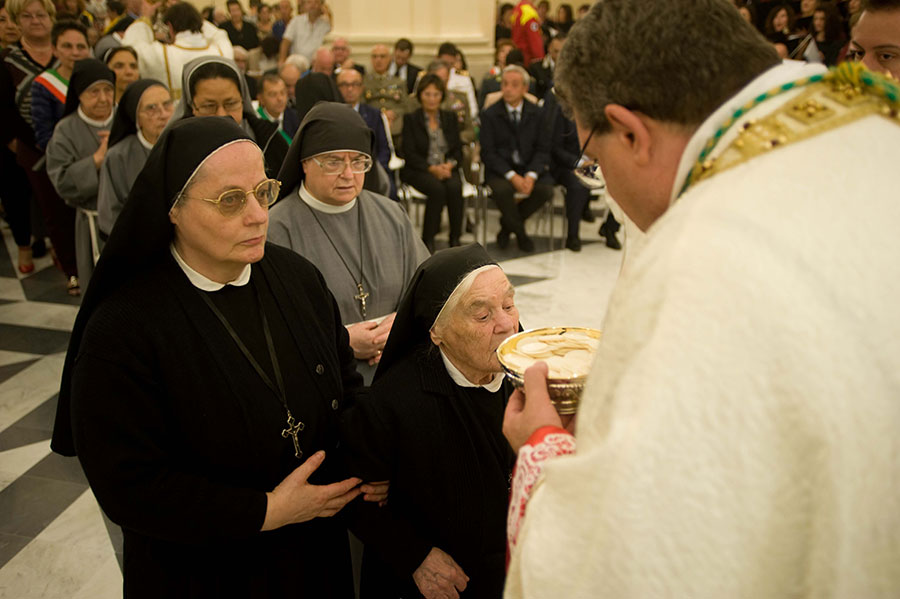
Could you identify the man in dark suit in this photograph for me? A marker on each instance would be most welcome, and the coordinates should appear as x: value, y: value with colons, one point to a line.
x: 273, y: 99
x: 516, y: 154
x: 350, y: 84
x: 542, y: 71
x: 400, y: 65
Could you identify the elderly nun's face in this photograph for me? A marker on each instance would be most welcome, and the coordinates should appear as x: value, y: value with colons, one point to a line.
x: 485, y: 316
x: 97, y: 100
x: 213, y: 244
x: 154, y: 112
x: 332, y: 187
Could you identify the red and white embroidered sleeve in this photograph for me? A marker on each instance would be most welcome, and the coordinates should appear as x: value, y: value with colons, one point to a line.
x: 545, y: 443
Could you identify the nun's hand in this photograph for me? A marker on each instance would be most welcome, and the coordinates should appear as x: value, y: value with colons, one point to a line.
x: 363, y: 336
x: 296, y: 500
x: 100, y: 154
x: 439, y: 576
x: 376, y: 492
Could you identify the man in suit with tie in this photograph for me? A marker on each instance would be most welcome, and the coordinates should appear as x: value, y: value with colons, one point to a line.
x: 350, y: 84
x: 273, y: 100
x: 400, y: 65
x: 516, y: 155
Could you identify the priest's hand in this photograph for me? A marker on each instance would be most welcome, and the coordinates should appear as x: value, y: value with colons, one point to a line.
x: 529, y: 411
x: 439, y: 577
x: 296, y: 500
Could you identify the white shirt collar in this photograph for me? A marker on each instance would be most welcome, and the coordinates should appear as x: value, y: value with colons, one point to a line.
x: 322, y: 206
x: 788, y: 70
x: 143, y: 140
x: 204, y: 283
x: 511, y: 108
x: 95, y: 123
x: 274, y: 119
x: 460, y: 379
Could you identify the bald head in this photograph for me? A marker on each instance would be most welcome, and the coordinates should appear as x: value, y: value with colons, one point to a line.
x: 349, y: 82
x: 341, y: 50
x: 290, y: 74
x: 323, y: 61
x: 381, y: 58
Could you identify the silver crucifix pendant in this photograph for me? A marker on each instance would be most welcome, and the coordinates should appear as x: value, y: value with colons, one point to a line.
x: 293, y: 428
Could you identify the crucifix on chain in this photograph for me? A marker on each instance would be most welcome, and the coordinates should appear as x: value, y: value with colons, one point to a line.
x: 361, y: 297
x: 293, y: 428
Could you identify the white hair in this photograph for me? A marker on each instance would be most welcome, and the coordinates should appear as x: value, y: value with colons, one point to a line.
x: 458, y: 293
x: 514, y: 68
x: 299, y: 61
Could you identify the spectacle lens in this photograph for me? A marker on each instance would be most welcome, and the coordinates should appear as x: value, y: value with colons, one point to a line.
x: 335, y: 166
x: 231, y: 202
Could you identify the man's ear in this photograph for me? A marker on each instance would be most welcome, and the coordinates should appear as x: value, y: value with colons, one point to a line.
x: 629, y: 130
x: 435, y: 338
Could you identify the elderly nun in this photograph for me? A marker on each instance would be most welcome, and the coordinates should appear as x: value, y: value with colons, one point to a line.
x: 78, y: 147
x: 206, y: 375
x: 432, y: 425
x: 143, y: 113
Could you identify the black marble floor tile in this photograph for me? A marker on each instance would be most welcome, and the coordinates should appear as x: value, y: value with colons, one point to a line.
x: 32, y: 340
x: 60, y: 468
x: 10, y: 545
x: 30, y: 503
x: 17, y: 436
x: 48, y: 285
x: 8, y: 371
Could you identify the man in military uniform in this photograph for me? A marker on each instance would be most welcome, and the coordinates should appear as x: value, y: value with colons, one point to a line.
x: 385, y: 92
x: 458, y: 80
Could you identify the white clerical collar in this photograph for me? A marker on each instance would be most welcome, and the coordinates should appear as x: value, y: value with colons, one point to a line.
x: 788, y: 70
x: 96, y: 123
x: 143, y: 140
x: 204, y: 283
x: 322, y: 206
x: 460, y: 379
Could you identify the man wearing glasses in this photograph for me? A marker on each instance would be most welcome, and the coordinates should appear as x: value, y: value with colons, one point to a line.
x: 362, y: 242
x: 737, y: 434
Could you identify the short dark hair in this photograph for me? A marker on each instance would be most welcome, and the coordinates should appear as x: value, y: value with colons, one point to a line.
x: 515, y: 56
x: 108, y: 55
x: 674, y: 60
x: 230, y: 2
x: 271, y: 78
x: 183, y: 17
x: 543, y: 3
x: 447, y: 48
x: 61, y: 26
x: 430, y: 79
x: 115, y: 6
x: 403, y: 45
x: 213, y: 70
x: 879, y: 5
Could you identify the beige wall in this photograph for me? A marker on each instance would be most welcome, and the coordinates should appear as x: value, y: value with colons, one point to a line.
x: 427, y: 23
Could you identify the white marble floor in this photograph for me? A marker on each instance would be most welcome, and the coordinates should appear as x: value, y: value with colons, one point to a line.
x: 54, y: 539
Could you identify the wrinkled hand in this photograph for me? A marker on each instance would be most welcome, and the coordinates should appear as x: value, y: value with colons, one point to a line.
x: 376, y: 492
x: 529, y: 411
x: 518, y: 183
x: 439, y: 577
x: 100, y: 154
x: 296, y: 500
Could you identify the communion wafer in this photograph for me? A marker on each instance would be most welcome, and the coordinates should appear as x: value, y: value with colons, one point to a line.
x: 567, y: 354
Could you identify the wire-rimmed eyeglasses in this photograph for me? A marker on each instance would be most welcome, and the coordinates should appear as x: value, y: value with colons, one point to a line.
x: 232, y: 201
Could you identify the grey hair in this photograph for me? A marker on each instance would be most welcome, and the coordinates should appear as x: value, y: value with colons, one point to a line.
x: 297, y: 60
x: 459, y: 292
x: 514, y: 68
x: 675, y: 61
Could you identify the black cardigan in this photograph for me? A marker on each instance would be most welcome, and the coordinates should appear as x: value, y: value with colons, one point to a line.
x: 414, y: 147
x: 180, y: 439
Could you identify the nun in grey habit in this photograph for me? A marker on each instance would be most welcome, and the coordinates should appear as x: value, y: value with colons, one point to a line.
x: 144, y: 110
x: 71, y: 163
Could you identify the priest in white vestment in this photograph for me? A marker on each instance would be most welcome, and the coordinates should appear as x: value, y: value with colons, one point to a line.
x: 192, y: 36
x: 738, y: 436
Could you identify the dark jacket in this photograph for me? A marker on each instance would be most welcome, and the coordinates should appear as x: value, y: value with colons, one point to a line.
x: 565, y: 150
x: 372, y: 117
x: 500, y: 137
x: 442, y: 448
x: 415, y: 139
x: 290, y: 122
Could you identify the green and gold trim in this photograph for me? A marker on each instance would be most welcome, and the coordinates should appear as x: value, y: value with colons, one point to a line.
x: 845, y: 94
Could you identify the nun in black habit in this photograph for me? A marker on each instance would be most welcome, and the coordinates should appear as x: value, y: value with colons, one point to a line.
x: 432, y: 425
x: 205, y: 376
